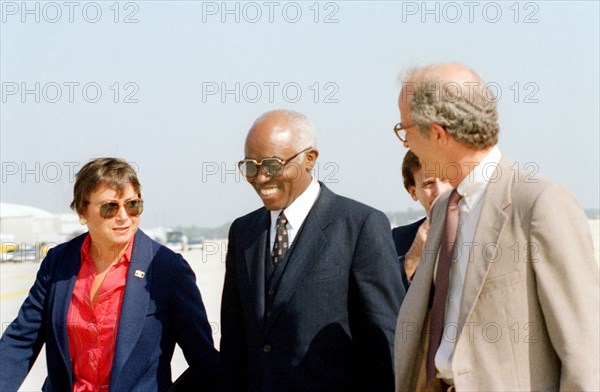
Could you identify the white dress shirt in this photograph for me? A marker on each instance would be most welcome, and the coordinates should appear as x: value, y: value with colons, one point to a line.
x: 472, y: 189
x: 295, y: 213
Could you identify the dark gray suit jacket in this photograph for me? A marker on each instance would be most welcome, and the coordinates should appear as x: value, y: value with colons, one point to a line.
x: 331, y: 326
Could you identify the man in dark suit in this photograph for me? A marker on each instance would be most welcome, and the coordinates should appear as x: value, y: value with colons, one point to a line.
x: 410, y: 239
x: 312, y: 286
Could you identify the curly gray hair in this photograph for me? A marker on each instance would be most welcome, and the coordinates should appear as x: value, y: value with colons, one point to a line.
x: 461, y: 102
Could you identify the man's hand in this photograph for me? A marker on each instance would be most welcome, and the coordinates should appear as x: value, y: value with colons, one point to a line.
x: 413, y: 257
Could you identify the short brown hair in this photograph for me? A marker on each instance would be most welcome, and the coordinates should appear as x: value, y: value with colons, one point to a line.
x: 410, y: 164
x: 113, y: 172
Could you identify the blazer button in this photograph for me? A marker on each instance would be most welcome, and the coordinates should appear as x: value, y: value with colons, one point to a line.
x: 267, y: 348
x: 271, y: 292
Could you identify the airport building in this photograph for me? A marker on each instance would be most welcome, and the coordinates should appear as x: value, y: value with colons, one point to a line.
x: 28, y: 225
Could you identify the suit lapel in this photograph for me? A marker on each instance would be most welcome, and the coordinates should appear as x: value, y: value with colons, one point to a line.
x: 135, y: 302
x: 65, y: 279
x: 432, y: 245
x: 412, y: 325
x: 255, y: 263
x: 307, y: 247
x: 420, y: 288
x: 489, y: 229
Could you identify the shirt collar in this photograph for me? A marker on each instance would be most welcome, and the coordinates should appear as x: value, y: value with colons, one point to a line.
x: 473, y: 186
x: 299, y: 209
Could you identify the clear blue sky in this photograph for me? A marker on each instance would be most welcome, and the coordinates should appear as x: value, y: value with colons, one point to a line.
x: 176, y: 90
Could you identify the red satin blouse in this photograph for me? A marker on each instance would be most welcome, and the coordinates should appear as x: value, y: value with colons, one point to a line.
x: 92, y: 328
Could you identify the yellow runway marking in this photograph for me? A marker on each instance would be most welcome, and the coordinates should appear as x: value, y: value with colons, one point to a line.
x: 14, y: 294
x: 23, y: 276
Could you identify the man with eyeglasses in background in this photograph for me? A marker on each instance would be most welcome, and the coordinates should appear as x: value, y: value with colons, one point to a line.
x: 410, y: 239
x: 506, y: 295
x: 312, y: 285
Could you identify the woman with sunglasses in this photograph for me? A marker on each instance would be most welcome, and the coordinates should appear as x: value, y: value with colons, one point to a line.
x: 110, y: 304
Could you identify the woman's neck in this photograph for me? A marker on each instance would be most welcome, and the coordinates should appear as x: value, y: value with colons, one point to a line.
x: 105, y: 255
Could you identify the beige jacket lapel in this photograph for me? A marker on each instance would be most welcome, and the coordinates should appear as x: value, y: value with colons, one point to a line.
x: 413, y: 322
x: 485, y: 243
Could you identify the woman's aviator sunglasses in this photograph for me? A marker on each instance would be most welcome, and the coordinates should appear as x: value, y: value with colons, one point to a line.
x: 110, y: 209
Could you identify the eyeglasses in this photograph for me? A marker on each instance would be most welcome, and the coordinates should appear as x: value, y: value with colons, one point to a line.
x: 272, y: 166
x: 110, y: 209
x: 400, y: 131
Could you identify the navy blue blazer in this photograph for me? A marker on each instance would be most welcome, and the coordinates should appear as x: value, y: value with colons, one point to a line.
x: 160, y: 309
x: 332, y: 320
x: 403, y: 239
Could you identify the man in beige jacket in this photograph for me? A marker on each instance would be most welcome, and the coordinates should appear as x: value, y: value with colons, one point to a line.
x: 521, y: 308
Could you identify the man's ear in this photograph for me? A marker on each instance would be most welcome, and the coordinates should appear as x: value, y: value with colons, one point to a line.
x: 311, y: 158
x: 440, y: 134
x: 412, y: 190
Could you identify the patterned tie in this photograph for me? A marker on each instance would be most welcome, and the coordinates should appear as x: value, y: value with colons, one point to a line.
x: 281, y: 240
x: 442, y: 276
